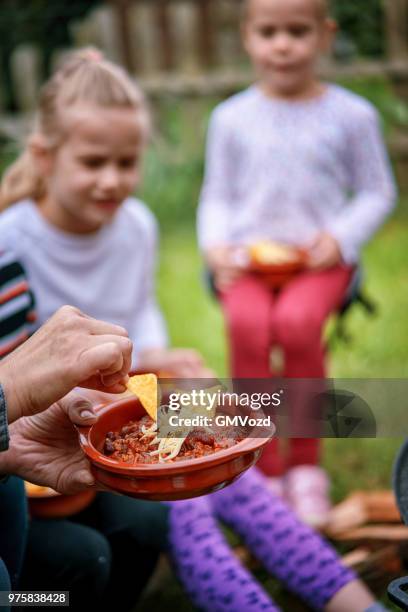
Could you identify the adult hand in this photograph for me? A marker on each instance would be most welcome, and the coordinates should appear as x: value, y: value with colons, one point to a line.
x: 324, y: 252
x: 180, y: 363
x: 227, y: 264
x: 44, y: 448
x: 69, y: 350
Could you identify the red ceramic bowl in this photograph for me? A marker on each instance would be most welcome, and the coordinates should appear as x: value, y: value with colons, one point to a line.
x: 277, y: 275
x: 161, y: 481
x: 44, y: 502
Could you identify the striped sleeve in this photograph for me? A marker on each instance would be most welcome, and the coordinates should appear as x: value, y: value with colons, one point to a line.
x: 17, y: 313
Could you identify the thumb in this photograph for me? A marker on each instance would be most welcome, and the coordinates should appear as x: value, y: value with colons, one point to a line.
x: 77, y: 480
x: 85, y: 478
x: 78, y: 409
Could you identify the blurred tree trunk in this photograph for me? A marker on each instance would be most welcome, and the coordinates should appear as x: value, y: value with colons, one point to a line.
x: 43, y: 23
x: 122, y: 10
x: 396, y: 12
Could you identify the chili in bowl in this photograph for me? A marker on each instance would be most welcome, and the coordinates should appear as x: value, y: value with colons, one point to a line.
x: 124, y: 460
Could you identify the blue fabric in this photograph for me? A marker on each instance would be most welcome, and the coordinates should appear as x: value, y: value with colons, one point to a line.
x: 4, y: 577
x: 13, y: 527
x: 102, y: 555
x: 4, y: 583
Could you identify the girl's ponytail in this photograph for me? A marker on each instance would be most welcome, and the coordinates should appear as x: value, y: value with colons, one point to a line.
x: 20, y: 181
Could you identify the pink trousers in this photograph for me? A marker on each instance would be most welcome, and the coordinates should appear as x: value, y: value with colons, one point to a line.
x: 259, y: 318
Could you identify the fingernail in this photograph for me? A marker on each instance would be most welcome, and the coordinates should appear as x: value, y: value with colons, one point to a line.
x: 87, y: 414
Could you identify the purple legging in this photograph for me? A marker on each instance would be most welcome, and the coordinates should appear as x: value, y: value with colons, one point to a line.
x: 215, y: 579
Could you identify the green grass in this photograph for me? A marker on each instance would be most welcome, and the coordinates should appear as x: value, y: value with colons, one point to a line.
x: 379, y: 91
x: 379, y: 348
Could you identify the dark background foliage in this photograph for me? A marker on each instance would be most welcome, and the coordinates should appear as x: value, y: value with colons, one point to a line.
x: 42, y: 22
x: 361, y: 21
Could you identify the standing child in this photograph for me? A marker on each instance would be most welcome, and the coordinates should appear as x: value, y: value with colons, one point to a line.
x: 302, y: 162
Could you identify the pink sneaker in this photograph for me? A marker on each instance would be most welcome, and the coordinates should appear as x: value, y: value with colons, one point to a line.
x: 307, y: 492
x: 275, y: 485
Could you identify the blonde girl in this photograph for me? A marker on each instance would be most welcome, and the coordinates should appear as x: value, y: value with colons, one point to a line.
x: 69, y: 211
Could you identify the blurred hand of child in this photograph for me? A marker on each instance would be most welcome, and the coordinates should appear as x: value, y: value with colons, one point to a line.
x: 179, y: 362
x: 227, y: 265
x: 324, y: 252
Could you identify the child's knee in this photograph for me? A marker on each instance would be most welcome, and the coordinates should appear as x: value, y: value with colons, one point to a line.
x: 93, y: 564
x: 297, y: 329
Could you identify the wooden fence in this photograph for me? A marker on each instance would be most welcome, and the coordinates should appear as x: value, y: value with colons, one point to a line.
x: 182, y: 38
x: 177, y: 35
x: 182, y: 46
x: 203, y: 33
